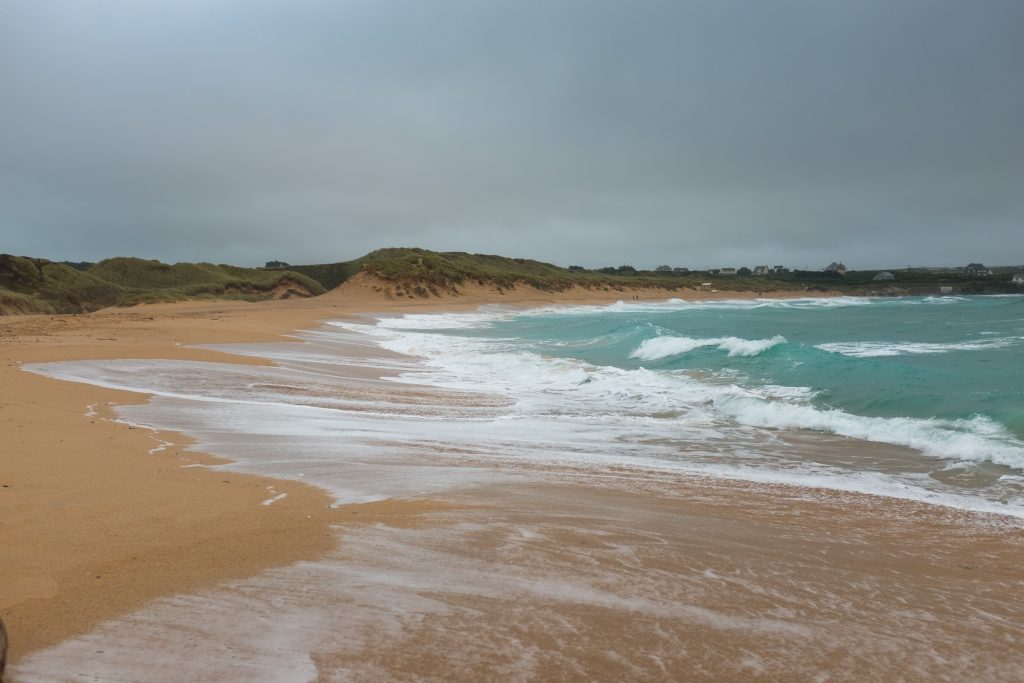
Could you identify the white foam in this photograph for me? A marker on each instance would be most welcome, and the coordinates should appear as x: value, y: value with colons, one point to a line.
x: 162, y: 445
x: 464, y: 363
x: 978, y: 439
x: 704, y: 305
x: 871, y: 349
x: 274, y: 496
x: 913, y: 488
x: 667, y: 346
x: 449, y: 321
x: 942, y: 300
x: 705, y: 412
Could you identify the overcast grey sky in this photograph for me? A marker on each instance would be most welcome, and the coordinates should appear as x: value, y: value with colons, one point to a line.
x: 582, y: 132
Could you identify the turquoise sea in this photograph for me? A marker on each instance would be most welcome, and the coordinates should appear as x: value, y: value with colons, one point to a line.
x: 918, y: 397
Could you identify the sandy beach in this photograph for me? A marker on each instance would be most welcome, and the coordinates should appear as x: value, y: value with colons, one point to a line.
x: 102, y: 518
x: 96, y: 520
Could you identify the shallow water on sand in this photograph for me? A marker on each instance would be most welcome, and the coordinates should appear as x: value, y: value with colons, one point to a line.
x: 613, y: 580
x: 581, y: 525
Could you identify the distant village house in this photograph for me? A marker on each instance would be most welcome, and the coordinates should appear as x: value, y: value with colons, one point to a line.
x: 884, y: 275
x: 1018, y: 279
x: 761, y: 270
x: 977, y: 269
x: 728, y: 271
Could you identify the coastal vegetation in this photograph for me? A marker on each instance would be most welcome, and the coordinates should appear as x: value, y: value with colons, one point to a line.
x: 423, y: 273
x: 33, y: 285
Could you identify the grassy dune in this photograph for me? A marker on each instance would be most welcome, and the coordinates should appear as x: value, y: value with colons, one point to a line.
x: 448, y: 270
x: 424, y: 273
x: 30, y: 285
x: 152, y: 281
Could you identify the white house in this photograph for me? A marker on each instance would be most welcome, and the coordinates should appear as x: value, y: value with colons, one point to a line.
x: 1018, y: 278
x: 762, y: 270
x: 884, y: 275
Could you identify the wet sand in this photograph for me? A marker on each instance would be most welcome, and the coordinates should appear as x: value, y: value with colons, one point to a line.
x: 93, y: 524
x: 555, y: 575
x: 648, y: 578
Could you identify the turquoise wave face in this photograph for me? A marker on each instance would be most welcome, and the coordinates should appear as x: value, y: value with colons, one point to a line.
x: 952, y: 358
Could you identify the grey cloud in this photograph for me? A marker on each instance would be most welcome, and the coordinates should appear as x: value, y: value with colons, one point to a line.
x: 697, y: 133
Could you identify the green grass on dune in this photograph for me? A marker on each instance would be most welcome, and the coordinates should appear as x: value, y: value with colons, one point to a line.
x: 140, y: 274
x: 52, y: 287
x: 449, y: 270
x: 17, y: 303
x: 421, y: 272
x: 153, y: 282
x: 29, y: 285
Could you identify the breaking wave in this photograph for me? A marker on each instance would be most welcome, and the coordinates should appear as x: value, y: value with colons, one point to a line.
x: 666, y: 347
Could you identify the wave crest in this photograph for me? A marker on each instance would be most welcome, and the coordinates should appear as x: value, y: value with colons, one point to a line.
x: 665, y: 347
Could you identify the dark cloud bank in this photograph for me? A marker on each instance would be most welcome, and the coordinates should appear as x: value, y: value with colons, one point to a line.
x: 689, y: 133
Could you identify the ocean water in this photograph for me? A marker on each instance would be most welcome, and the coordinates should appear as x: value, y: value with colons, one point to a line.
x: 918, y: 398
x: 911, y: 397
x: 589, y: 571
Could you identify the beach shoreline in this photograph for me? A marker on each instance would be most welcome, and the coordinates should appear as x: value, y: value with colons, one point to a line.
x: 167, y: 331
x: 84, y: 546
